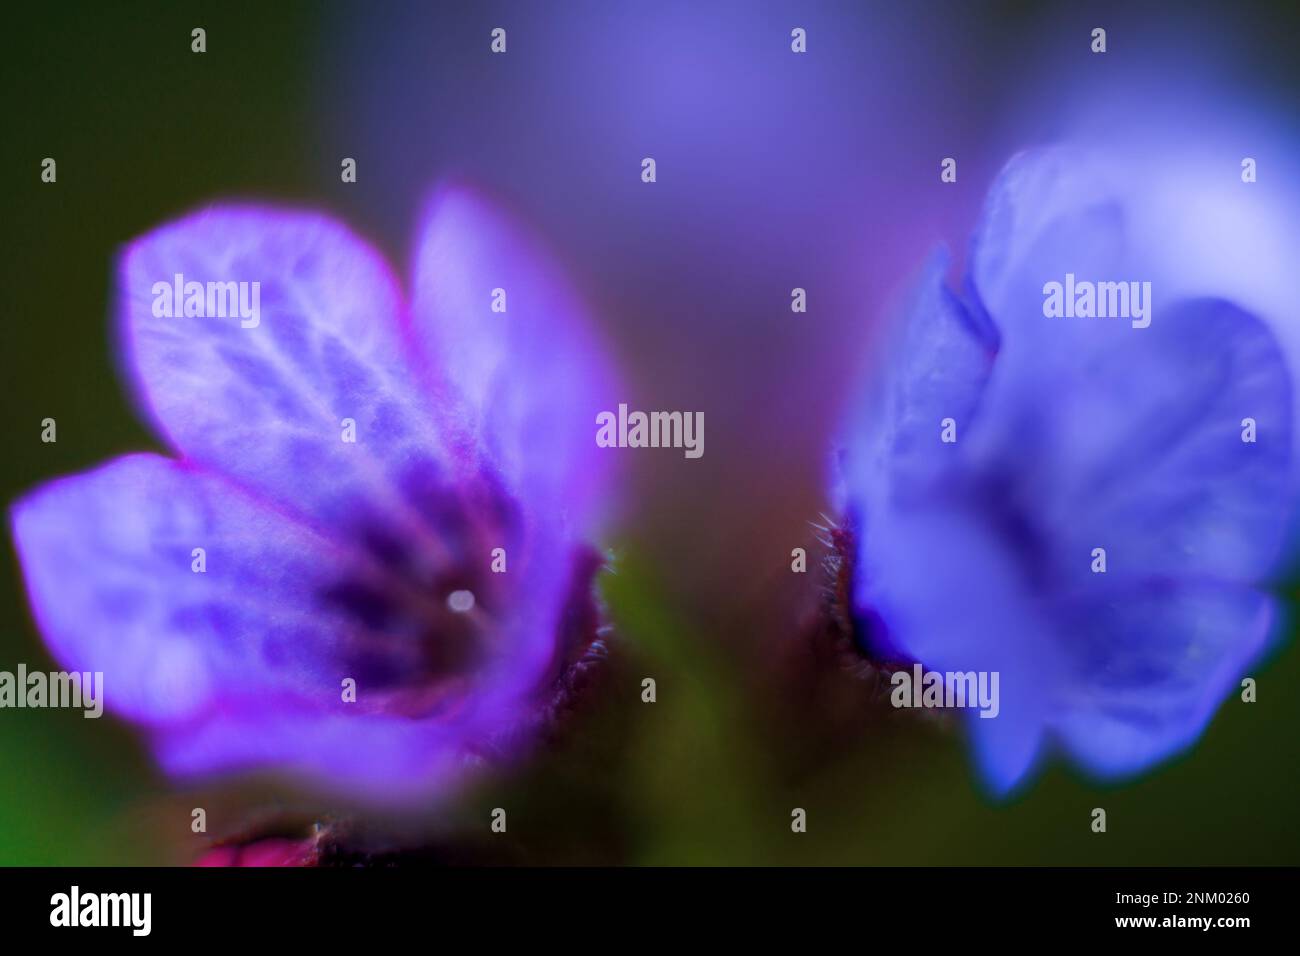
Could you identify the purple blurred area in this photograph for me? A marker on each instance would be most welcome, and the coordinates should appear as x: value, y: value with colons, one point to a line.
x: 779, y: 170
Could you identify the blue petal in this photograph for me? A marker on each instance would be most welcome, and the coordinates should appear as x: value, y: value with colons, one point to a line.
x: 1050, y: 212
x: 1152, y: 665
x: 1137, y: 448
x: 953, y: 597
x: 934, y: 366
x: 1088, y: 433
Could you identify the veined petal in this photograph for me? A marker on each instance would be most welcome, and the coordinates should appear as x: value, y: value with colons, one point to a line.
x: 533, y: 375
x: 274, y: 398
x: 117, y: 586
x: 239, y: 662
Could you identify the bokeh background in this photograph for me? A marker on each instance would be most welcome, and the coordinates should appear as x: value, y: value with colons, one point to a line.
x: 774, y: 171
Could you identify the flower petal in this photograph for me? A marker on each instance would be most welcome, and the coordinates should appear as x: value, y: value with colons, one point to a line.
x: 241, y: 665
x: 1152, y: 666
x: 1050, y: 212
x: 533, y: 376
x: 952, y: 597
x: 1138, y: 448
x: 1089, y: 433
x: 109, y: 563
x: 270, y: 403
x: 379, y: 758
x: 934, y: 368
x: 1134, y: 446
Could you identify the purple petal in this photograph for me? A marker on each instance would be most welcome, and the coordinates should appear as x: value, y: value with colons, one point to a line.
x: 381, y: 758
x: 241, y: 665
x: 534, y: 377
x: 267, y: 403
x: 109, y: 562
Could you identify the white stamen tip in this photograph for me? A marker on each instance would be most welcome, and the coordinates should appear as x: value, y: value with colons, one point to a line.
x: 461, y: 601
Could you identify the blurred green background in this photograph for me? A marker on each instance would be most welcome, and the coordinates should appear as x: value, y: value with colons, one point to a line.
x: 745, y: 727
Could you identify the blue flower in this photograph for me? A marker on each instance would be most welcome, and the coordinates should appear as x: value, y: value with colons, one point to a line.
x: 368, y: 558
x: 1100, y: 528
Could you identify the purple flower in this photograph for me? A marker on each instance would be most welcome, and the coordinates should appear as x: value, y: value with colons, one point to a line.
x: 395, y: 492
x: 1100, y: 526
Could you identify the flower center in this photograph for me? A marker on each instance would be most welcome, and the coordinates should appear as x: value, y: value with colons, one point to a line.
x: 420, y: 599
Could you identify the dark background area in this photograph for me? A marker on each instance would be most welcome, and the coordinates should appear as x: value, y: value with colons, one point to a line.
x: 774, y: 171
